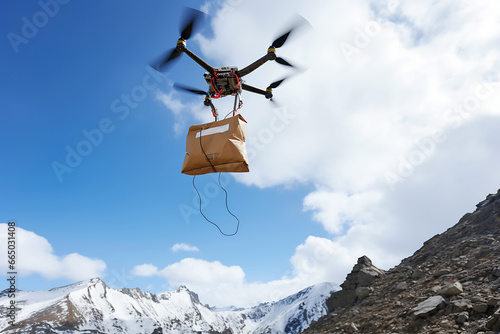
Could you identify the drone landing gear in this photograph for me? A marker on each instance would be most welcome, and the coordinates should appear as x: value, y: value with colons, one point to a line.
x: 238, y: 103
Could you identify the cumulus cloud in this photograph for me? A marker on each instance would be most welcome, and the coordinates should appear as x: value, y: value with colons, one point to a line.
x: 145, y: 270
x: 182, y: 111
x: 316, y: 261
x: 393, y: 123
x: 184, y: 247
x: 206, y: 273
x: 36, y: 256
x: 375, y: 119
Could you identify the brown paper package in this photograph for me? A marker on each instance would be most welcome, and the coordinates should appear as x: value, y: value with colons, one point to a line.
x: 216, y: 147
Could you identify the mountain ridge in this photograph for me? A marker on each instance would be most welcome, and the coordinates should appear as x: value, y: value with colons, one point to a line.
x: 450, y: 285
x: 93, y: 307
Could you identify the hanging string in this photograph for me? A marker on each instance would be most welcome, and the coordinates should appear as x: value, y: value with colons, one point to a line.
x: 220, y: 185
x: 227, y: 207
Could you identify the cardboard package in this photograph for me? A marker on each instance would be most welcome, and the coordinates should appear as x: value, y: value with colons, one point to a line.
x: 216, y: 147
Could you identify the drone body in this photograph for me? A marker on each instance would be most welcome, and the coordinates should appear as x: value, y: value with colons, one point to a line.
x: 227, y: 80
x: 223, y: 81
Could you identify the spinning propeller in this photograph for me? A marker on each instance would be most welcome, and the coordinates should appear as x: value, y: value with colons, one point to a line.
x: 189, y: 89
x: 192, y: 18
x: 278, y: 43
x: 269, y: 89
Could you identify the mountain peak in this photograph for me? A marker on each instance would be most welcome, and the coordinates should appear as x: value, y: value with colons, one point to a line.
x: 182, y: 288
x: 81, y: 285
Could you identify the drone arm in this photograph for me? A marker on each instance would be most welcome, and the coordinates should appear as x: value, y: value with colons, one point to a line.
x: 255, y: 90
x: 181, y: 47
x: 256, y: 64
x: 200, y: 61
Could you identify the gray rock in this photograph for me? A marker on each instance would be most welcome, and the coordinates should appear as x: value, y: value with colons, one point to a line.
x: 417, y: 274
x: 362, y: 275
x: 480, y: 307
x: 460, y: 305
x: 366, y: 276
x: 441, y: 272
x: 363, y: 292
x: 493, y: 322
x: 494, y: 301
x: 354, y: 327
x: 401, y: 286
x: 496, y: 271
x: 429, y: 306
x: 462, y: 318
x: 452, y: 289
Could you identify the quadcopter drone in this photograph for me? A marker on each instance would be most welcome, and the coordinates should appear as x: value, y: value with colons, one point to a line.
x: 222, y: 81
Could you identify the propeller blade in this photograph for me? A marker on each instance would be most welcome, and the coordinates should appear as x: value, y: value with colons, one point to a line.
x: 189, y: 89
x: 276, y: 84
x: 282, y: 61
x: 274, y: 102
x: 192, y: 18
x: 278, y: 43
x: 166, y: 59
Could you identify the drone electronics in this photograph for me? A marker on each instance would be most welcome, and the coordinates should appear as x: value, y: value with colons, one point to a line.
x: 222, y: 81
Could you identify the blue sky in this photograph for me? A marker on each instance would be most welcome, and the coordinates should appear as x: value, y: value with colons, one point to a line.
x: 387, y: 138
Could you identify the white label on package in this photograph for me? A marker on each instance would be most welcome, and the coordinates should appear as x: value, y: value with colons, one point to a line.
x: 212, y: 131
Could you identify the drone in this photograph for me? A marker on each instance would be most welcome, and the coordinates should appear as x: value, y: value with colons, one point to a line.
x: 222, y: 81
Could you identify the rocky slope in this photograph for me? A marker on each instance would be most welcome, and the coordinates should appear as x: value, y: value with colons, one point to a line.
x: 450, y: 285
x: 91, y: 307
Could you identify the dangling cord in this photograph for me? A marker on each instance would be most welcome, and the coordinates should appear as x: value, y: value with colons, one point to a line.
x: 227, y: 207
x: 206, y: 156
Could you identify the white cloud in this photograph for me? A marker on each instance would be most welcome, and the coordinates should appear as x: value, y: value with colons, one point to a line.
x: 145, y: 270
x: 36, y: 256
x: 206, y: 272
x: 394, y: 122
x: 418, y: 77
x: 337, y: 211
x: 221, y: 285
x: 182, y: 111
x: 184, y: 247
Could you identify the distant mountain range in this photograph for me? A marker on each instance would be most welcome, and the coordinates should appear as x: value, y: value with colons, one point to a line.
x: 91, y: 307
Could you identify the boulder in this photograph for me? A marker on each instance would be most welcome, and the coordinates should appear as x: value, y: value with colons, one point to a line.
x: 480, y: 307
x: 429, y: 306
x: 417, y: 273
x: 452, y: 289
x: 362, y: 275
x: 401, y: 286
x: 460, y: 305
x: 362, y: 292
x: 366, y: 276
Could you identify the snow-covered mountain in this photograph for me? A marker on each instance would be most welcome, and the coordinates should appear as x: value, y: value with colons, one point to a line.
x: 91, y: 307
